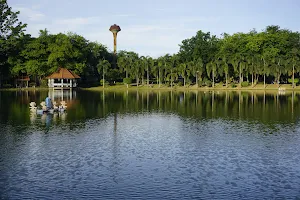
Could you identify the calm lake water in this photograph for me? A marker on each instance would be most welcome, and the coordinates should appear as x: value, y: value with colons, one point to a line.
x: 151, y: 145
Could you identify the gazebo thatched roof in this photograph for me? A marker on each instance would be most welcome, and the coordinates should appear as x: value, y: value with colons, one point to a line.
x: 63, y: 73
x: 22, y: 78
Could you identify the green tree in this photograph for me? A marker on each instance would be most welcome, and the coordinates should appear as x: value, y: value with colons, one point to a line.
x: 11, y: 30
x: 102, y: 67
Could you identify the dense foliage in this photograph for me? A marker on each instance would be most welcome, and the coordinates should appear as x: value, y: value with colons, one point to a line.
x: 269, y: 56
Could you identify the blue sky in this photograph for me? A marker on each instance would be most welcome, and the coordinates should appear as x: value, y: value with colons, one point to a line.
x: 154, y: 27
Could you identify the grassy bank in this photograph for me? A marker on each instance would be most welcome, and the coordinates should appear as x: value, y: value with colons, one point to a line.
x: 25, y: 89
x: 258, y: 87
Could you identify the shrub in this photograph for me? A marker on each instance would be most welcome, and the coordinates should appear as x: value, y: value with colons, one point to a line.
x: 127, y: 80
x: 6, y: 85
x: 106, y: 82
x: 44, y: 83
x: 200, y: 83
x: 119, y: 83
x: 233, y: 85
x: 245, y: 84
x: 296, y: 80
x: 208, y: 83
x: 180, y: 83
x: 32, y: 84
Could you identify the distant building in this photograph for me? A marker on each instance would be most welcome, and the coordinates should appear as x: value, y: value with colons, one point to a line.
x: 22, y: 81
x: 63, y: 78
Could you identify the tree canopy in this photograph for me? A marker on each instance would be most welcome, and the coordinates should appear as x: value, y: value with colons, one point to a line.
x: 269, y: 56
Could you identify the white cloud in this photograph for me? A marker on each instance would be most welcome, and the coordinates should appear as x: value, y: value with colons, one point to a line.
x: 78, y: 21
x: 30, y: 14
x: 124, y: 15
x: 206, y: 19
x: 147, y: 37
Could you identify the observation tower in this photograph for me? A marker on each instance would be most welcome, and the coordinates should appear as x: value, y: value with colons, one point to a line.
x: 115, y: 29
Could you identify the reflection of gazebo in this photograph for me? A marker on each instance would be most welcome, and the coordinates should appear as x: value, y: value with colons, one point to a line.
x: 22, y: 81
x: 62, y: 78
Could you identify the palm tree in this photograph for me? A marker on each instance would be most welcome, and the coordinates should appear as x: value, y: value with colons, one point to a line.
x: 211, y: 68
x: 235, y: 61
x: 266, y: 64
x: 173, y: 70
x: 150, y: 65
x: 136, y: 70
x: 123, y: 64
x: 294, y: 60
x: 226, y: 70
x: 155, y: 69
x: 103, y: 66
x: 184, y: 71
x: 278, y: 68
x: 160, y: 65
x: 199, y: 67
x: 145, y: 67
x: 253, y: 63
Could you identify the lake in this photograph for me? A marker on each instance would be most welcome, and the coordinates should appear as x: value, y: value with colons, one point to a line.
x: 151, y: 145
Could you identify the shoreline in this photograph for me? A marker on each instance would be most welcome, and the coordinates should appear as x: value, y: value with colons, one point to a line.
x: 258, y: 87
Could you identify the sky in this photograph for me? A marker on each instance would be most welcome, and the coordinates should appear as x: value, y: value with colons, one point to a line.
x: 154, y: 27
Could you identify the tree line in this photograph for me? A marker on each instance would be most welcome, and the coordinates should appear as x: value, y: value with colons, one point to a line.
x: 239, y: 59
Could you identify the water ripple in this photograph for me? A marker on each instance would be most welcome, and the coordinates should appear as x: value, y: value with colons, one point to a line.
x: 151, y: 156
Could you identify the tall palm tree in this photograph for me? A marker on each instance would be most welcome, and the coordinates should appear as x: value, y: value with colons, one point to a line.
x: 123, y: 64
x: 235, y: 61
x: 211, y: 69
x: 173, y: 70
x: 294, y: 61
x: 102, y: 67
x: 199, y: 70
x: 150, y: 65
x: 160, y: 65
x: 136, y: 70
x: 184, y: 71
x: 144, y: 66
x: 226, y: 70
x: 265, y: 70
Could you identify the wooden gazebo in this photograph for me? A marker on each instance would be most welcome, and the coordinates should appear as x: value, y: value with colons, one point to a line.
x: 63, y: 78
x: 22, y: 81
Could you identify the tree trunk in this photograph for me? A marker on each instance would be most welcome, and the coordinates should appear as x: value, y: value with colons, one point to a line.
x: 264, y: 73
x: 278, y: 78
x: 148, y: 77
x: 137, y: 81
x: 226, y: 77
x: 159, y: 78
x: 171, y: 78
x: 197, y: 79
x: 252, y: 79
x: 293, y: 75
x: 213, y: 76
x: 200, y: 77
x: 103, y: 78
x: 264, y: 80
x: 240, y: 76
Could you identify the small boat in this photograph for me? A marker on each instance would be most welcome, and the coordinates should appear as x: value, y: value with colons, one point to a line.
x: 61, y: 108
x: 41, y: 111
